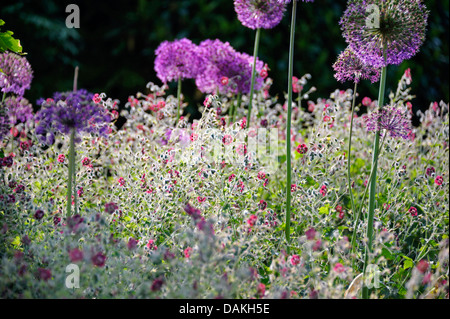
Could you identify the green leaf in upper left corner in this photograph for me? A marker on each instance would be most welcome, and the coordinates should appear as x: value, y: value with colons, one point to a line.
x: 7, y: 41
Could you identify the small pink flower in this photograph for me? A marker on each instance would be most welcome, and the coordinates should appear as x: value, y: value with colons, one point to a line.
x: 187, y: 252
x: 86, y: 161
x: 227, y: 139
x: 261, y: 175
x: 151, y: 245
x: 261, y: 290
x: 302, y: 149
x: 293, y: 187
x: 422, y: 266
x: 339, y: 268
x: 366, y: 101
x: 201, y: 199
x: 295, y: 259
x: 231, y: 177
x: 413, y: 211
x: 252, y: 220
x: 426, y: 279
x: 310, y: 233
x: 323, y: 190
x: 96, y: 98
x: 121, y: 181
x: 439, y: 180
x: 224, y: 80
x: 61, y: 158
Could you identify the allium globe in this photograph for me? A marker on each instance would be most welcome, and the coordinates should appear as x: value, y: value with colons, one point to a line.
x: 349, y: 67
x: 399, y: 28
x: 17, y: 73
x: 255, y: 14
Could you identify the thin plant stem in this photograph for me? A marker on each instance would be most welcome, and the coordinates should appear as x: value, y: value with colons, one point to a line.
x: 178, y: 99
x: 288, y: 127
x: 71, y: 170
x: 75, y: 195
x: 75, y: 79
x: 4, y: 97
x: 373, y: 184
x: 358, y: 214
x: 252, y: 85
x: 349, y: 153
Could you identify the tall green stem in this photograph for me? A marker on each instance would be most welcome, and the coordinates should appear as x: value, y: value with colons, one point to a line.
x: 178, y: 99
x: 71, y: 170
x: 349, y: 153
x: 236, y: 107
x: 373, y: 182
x: 255, y: 54
x: 288, y: 126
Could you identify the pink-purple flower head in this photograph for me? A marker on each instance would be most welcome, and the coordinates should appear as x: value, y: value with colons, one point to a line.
x: 17, y: 73
x: 349, y: 67
x: 177, y: 60
x: 71, y: 110
x: 289, y: 1
x: 255, y: 14
x: 221, y: 60
x: 392, y: 120
x: 395, y: 28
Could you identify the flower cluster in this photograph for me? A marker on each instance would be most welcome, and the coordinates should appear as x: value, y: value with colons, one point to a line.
x: 223, y: 61
x: 255, y: 14
x: 393, y: 119
x: 349, y: 67
x: 177, y: 60
x: 17, y: 73
x: 70, y: 110
x: 393, y: 35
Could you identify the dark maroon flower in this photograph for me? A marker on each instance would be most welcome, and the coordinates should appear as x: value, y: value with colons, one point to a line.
x: 98, y: 259
x: 132, y: 243
x: 39, y: 214
x: 262, y: 204
x: 44, y: 274
x: 26, y: 240
x: 430, y: 171
x: 22, y: 270
x: 75, y: 255
x: 157, y: 284
x: 310, y: 234
x: 111, y: 207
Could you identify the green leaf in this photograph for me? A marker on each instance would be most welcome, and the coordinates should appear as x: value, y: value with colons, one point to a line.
x: 7, y: 42
x: 408, y: 262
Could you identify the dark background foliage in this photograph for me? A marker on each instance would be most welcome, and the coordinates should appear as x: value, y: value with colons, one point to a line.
x: 114, y: 47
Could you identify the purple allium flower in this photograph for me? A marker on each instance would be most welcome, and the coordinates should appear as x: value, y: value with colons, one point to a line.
x: 17, y: 74
x: 392, y: 119
x: 289, y: 1
x: 5, y: 124
x: 349, y: 67
x: 221, y: 60
x: 71, y: 110
x: 178, y: 59
x: 401, y: 29
x: 19, y: 109
x: 255, y: 14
